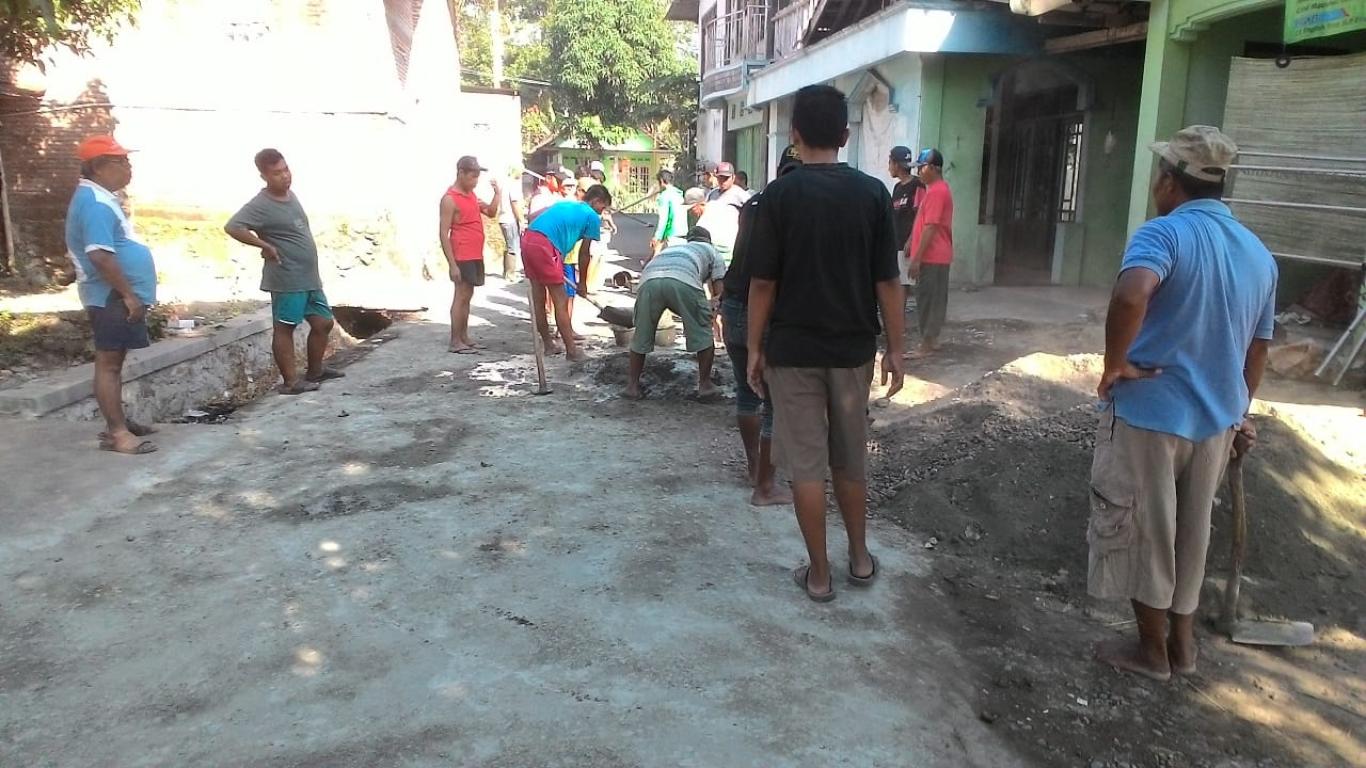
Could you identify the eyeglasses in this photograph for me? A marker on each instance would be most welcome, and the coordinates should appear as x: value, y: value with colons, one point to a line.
x: 118, y: 160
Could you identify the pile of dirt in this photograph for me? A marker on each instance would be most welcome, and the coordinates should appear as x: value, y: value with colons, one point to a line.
x: 995, y: 483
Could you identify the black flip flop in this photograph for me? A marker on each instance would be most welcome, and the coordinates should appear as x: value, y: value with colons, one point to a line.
x: 800, y: 575
x: 863, y: 581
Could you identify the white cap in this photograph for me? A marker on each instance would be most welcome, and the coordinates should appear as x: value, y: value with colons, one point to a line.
x: 597, y: 165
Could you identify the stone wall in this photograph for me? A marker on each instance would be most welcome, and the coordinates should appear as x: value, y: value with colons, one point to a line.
x: 231, y: 363
x: 237, y: 372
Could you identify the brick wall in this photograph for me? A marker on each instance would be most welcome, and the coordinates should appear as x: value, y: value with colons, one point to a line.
x: 36, y: 142
x: 198, y: 86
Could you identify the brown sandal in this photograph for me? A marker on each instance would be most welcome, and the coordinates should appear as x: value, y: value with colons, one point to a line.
x: 800, y: 576
x: 142, y: 448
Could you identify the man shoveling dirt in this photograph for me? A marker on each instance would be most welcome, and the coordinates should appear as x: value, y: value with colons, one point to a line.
x: 1181, y: 366
x: 673, y: 280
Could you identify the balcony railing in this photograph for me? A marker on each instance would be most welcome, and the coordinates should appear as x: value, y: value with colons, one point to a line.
x: 738, y: 36
x: 790, y: 23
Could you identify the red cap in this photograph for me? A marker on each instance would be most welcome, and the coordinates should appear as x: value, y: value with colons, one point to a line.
x: 725, y: 169
x: 99, y: 146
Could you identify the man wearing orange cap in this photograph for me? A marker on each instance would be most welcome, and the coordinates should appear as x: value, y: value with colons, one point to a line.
x: 116, y: 279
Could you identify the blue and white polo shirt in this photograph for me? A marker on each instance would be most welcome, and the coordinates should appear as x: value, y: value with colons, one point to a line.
x: 95, y: 222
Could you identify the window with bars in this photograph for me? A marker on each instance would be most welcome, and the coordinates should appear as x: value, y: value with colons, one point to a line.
x: 639, y: 181
x: 1069, y: 198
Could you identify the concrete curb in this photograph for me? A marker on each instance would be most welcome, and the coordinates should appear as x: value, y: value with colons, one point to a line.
x: 46, y: 395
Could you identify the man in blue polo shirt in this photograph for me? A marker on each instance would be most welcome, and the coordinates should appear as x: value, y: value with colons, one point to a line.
x: 116, y: 280
x: 1185, y: 347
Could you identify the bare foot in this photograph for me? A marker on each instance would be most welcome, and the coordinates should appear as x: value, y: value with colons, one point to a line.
x: 124, y: 441
x: 771, y: 497
x: 633, y: 393
x: 708, y: 392
x: 552, y: 347
x: 1125, y: 654
x: 298, y: 387
x: 576, y: 355
x: 1183, y: 655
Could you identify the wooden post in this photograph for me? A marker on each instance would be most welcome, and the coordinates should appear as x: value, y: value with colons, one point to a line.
x: 537, y: 343
x: 11, y: 265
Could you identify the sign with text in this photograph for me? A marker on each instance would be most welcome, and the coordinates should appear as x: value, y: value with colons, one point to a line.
x: 1309, y: 19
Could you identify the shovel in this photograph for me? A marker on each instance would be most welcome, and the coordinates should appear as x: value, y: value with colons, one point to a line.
x: 1249, y: 631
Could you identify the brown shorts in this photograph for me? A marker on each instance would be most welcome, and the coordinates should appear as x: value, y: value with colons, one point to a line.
x: 820, y: 420
x: 1151, y: 498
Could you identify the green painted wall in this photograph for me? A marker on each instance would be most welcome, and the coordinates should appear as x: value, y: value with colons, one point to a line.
x: 956, y: 91
x: 1207, y: 81
x: 1117, y: 77
x: 953, y: 119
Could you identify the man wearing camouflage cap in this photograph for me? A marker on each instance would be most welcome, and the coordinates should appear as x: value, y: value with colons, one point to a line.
x: 1181, y: 366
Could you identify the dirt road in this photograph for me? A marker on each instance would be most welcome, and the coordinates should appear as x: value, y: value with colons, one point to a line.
x: 425, y: 565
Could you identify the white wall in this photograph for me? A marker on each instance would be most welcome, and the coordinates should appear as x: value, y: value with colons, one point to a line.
x: 876, y: 124
x: 711, y: 135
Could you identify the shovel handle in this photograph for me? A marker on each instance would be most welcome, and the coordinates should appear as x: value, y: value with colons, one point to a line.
x: 1238, y: 505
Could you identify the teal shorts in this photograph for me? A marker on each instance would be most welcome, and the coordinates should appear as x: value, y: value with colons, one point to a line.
x: 291, y: 307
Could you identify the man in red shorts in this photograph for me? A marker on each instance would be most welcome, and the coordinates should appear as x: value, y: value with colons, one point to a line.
x: 462, y: 240
x: 551, y: 234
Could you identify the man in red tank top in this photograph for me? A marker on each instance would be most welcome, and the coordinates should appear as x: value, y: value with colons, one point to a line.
x: 462, y: 240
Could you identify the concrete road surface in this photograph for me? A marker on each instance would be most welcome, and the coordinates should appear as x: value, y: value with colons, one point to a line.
x: 425, y: 565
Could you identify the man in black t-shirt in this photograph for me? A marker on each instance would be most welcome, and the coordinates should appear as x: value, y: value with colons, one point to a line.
x: 753, y: 413
x: 822, y: 262
x: 901, y: 165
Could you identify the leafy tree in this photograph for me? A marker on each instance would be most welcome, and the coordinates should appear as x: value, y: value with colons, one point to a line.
x: 30, y: 28
x: 616, y: 68
x: 597, y: 70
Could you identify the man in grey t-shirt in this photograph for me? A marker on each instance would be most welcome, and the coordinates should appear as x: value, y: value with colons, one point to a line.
x: 275, y: 222
x: 674, y: 280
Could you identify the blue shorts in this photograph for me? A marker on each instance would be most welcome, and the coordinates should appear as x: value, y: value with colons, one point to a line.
x: 291, y: 307
x: 571, y: 279
x: 111, y: 328
x: 735, y: 332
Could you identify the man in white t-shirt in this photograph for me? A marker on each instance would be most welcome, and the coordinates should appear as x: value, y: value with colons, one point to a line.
x: 511, y: 220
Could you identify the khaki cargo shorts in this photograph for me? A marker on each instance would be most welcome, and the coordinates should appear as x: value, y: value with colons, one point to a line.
x: 820, y: 420
x: 1151, y: 498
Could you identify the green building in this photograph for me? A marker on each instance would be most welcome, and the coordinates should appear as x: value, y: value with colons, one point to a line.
x: 1044, y: 109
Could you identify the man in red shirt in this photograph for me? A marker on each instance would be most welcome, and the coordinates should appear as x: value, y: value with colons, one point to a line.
x: 462, y: 240
x: 931, y: 250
